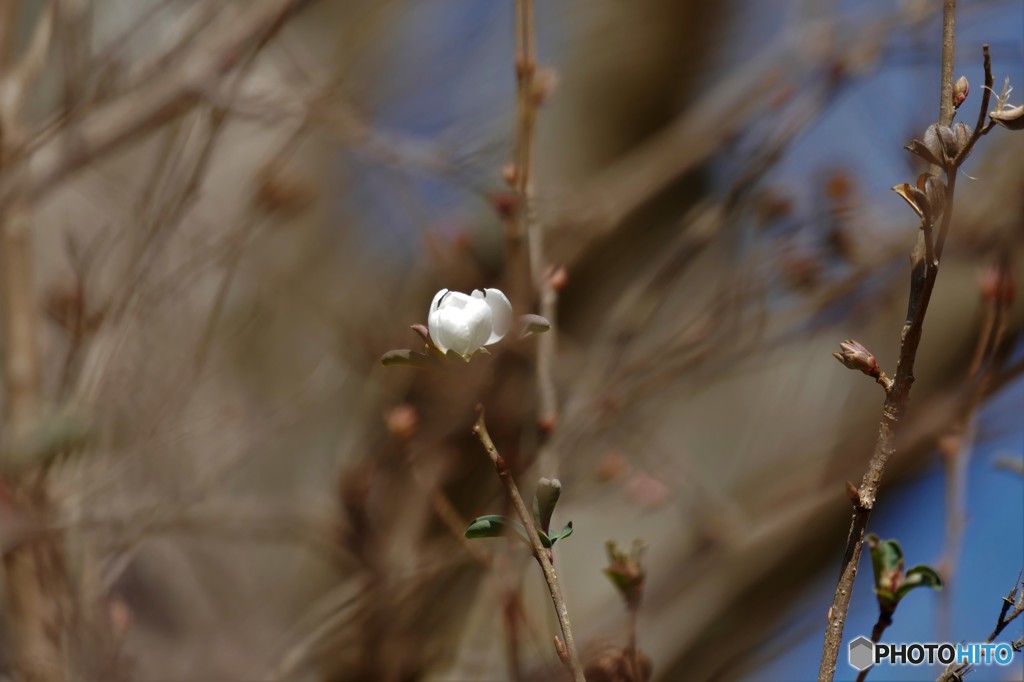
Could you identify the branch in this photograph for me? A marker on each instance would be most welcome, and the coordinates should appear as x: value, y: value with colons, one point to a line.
x: 529, y: 97
x: 925, y: 268
x: 537, y: 549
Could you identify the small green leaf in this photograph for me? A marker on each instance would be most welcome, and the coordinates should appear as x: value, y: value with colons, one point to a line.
x: 565, y: 532
x: 545, y: 541
x: 493, y: 526
x: 887, y: 562
x: 919, y: 576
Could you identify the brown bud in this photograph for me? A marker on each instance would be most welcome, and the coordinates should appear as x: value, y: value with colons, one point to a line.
x: 960, y: 89
x: 558, y: 278
x: 563, y: 654
x: 282, y: 188
x: 509, y: 174
x: 506, y: 204
x: 545, y: 82
x: 612, y: 466
x: 547, y: 423
x: 402, y: 421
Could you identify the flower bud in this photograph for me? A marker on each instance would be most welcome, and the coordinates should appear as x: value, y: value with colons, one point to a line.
x: 545, y: 500
x: 960, y: 89
x: 465, y: 323
x: 855, y: 356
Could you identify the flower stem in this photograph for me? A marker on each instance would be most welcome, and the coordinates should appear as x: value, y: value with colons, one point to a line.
x: 538, y: 550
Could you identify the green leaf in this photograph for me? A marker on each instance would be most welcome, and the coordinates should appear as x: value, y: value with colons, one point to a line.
x: 494, y: 526
x: 565, y: 532
x: 919, y: 576
x: 886, y: 560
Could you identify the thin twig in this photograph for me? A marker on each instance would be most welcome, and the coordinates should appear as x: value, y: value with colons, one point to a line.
x: 1015, y: 601
x: 883, y: 622
x: 538, y: 550
x: 525, y: 220
x: 924, y: 271
x: 956, y: 446
x: 633, y: 650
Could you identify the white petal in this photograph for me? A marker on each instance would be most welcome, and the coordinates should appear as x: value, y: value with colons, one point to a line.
x: 434, y: 321
x: 460, y: 323
x: 501, y: 313
x: 437, y: 299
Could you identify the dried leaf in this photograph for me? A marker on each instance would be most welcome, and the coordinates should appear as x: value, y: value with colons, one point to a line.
x: 1009, y: 117
x: 915, y: 198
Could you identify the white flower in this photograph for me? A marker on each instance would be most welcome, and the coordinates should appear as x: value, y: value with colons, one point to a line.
x: 466, y: 323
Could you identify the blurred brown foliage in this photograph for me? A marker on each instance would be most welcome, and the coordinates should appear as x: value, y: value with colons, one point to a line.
x: 225, y: 232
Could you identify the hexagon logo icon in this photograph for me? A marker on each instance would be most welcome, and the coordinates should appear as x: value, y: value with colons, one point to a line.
x: 862, y: 653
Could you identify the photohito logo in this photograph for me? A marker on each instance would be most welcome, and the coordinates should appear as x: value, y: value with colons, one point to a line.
x: 864, y: 653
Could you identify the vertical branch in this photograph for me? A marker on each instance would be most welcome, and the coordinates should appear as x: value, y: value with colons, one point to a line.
x: 948, y: 58
x: 526, y: 66
x: 526, y: 221
x: 925, y: 266
x: 537, y: 549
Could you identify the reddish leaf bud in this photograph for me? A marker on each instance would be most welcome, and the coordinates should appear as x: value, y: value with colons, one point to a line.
x: 960, y: 89
x: 855, y: 356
